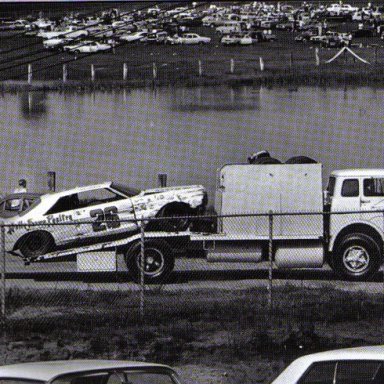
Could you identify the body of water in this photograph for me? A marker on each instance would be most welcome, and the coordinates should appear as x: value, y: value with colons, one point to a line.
x: 188, y: 133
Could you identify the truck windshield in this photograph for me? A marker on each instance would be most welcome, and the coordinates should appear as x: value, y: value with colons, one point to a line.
x: 331, y: 186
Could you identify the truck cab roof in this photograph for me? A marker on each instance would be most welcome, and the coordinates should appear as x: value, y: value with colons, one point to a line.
x: 356, y: 172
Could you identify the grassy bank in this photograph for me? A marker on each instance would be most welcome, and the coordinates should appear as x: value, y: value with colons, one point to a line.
x: 220, y: 329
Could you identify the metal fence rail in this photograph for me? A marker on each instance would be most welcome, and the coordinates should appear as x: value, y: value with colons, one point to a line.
x: 114, y: 288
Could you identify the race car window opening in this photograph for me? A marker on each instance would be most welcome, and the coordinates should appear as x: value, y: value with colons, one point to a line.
x: 32, y: 203
x: 64, y: 204
x: 125, y: 190
x: 97, y: 196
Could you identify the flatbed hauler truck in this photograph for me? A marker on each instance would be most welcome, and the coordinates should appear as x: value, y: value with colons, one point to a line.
x: 343, y: 226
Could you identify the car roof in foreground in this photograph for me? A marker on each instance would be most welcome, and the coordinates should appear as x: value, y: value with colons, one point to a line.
x: 48, y: 370
x: 300, y: 365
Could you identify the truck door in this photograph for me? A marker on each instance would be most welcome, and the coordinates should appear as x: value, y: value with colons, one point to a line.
x: 351, y: 197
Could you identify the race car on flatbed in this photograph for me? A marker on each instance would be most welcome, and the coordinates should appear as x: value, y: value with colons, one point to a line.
x: 97, y: 213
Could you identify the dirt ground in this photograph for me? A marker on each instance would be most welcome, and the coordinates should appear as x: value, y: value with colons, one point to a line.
x: 222, y: 337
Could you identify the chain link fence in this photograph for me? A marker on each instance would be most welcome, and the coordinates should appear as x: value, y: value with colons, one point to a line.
x: 87, y: 289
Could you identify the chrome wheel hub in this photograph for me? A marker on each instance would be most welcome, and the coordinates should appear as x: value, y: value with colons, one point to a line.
x: 356, y: 259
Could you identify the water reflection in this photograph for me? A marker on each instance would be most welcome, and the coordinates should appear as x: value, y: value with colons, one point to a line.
x: 131, y: 136
x: 33, y: 104
x: 223, y: 100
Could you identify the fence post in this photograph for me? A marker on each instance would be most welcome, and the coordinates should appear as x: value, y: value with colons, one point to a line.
x: 3, y: 268
x: 29, y: 73
x: 65, y: 73
x: 261, y: 64
x: 232, y: 66
x: 200, y: 68
x: 317, y: 57
x: 270, y: 258
x: 142, y: 266
x: 154, y: 71
x: 93, y: 73
x: 125, y: 71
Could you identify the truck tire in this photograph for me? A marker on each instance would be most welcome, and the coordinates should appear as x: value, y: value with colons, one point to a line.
x: 36, y: 244
x: 357, y: 257
x: 301, y: 160
x: 159, y: 261
x: 266, y: 160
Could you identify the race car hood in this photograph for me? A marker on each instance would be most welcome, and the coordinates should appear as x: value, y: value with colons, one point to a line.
x: 187, y: 188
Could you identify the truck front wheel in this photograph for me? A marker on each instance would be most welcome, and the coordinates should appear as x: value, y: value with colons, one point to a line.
x: 357, y: 257
x: 157, y: 265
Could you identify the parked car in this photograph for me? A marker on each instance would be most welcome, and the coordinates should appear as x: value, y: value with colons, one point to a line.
x: 306, y: 36
x: 89, y: 208
x: 340, y: 9
x: 57, y: 43
x: 132, y: 37
x: 88, y: 371
x: 363, y: 32
x: 189, y: 38
x: 88, y: 47
x: 228, y: 28
x: 157, y: 37
x: 333, y: 42
x: 69, y: 32
x: 261, y: 36
x: 342, y: 366
x: 231, y: 39
x: 320, y: 38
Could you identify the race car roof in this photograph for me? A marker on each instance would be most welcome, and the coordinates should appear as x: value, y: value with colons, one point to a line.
x: 49, y: 370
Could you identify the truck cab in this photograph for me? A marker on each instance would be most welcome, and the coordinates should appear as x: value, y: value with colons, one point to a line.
x: 345, y: 229
x: 355, y: 200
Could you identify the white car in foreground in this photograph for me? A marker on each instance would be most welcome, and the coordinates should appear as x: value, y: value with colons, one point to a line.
x: 89, y: 372
x: 92, y: 214
x: 362, y: 365
x: 88, y: 47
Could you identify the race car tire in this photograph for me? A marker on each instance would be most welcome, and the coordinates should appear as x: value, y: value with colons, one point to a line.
x: 177, y: 218
x: 357, y: 257
x: 36, y: 244
x: 158, y: 262
x: 301, y: 160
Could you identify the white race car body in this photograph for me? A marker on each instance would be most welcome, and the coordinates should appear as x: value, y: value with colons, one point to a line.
x: 90, y: 214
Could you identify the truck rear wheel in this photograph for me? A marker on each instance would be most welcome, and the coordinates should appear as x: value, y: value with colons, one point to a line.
x: 357, y: 257
x: 157, y: 265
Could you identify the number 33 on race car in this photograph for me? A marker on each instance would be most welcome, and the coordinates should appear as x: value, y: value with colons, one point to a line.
x: 105, y: 219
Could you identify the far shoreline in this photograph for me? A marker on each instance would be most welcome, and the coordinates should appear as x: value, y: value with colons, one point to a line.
x: 290, y: 79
